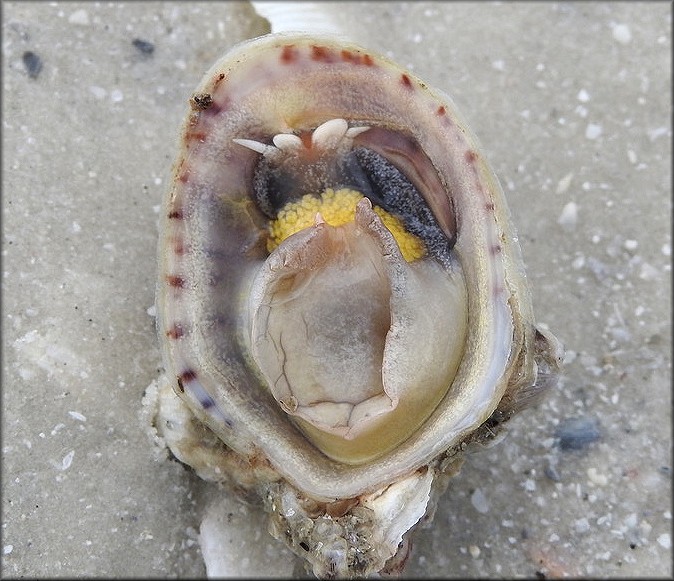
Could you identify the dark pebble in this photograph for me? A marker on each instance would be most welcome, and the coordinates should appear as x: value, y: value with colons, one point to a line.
x: 33, y: 64
x: 577, y: 433
x: 143, y: 46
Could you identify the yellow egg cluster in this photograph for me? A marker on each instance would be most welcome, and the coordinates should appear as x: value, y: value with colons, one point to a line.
x: 337, y: 208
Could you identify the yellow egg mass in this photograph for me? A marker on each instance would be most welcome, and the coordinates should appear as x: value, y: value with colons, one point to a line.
x: 338, y: 208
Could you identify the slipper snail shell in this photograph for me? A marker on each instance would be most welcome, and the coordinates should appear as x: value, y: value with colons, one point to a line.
x: 342, y: 304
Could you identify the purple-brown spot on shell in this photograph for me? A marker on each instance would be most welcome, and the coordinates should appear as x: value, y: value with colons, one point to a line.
x: 215, y: 108
x: 405, y: 80
x: 176, y: 214
x: 176, y: 331
x: 320, y: 53
x: 178, y: 247
x: 356, y: 58
x: 175, y: 281
x: 288, y: 54
x: 196, y: 136
x: 471, y: 156
x: 187, y: 376
x: 349, y: 57
x: 441, y: 110
x: 206, y: 402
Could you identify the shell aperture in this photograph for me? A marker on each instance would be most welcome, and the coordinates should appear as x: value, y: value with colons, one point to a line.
x: 355, y: 342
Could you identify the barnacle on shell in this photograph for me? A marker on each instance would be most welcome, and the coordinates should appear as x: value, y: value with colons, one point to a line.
x: 342, y: 303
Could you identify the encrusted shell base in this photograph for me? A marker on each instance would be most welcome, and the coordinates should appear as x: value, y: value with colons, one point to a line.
x: 347, y: 538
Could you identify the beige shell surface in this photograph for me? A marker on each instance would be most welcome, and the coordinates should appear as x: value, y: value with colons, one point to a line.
x: 214, y: 244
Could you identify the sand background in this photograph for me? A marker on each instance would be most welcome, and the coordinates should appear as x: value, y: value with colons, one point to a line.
x: 572, y: 103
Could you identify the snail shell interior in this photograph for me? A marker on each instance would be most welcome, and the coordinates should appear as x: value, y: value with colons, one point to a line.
x: 341, y: 290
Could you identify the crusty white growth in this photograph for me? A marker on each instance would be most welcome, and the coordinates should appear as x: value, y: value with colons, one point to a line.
x: 399, y: 507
